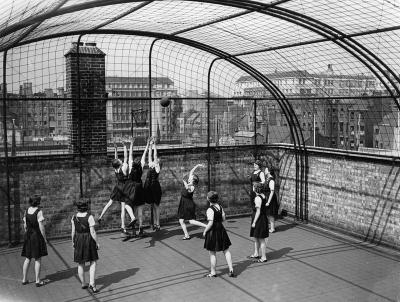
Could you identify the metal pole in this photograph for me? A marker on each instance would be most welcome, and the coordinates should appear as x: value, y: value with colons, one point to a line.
x: 313, y: 111
x: 255, y: 122
x: 150, y: 118
x: 79, y: 118
x: 6, y: 147
x: 208, y: 123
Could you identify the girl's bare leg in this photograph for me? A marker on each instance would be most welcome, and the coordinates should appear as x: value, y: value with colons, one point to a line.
x: 228, y: 258
x: 92, y: 273
x: 198, y: 223
x: 213, y: 261
x: 25, y: 268
x: 81, y: 272
x: 37, y: 269
x: 183, y: 226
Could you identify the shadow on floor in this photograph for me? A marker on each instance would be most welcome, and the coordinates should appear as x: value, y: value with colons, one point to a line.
x: 163, y: 234
x: 62, y: 275
x: 116, y: 277
x: 278, y: 253
x: 285, y: 227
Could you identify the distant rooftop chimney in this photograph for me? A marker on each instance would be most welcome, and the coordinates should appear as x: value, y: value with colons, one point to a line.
x: 330, y: 68
x: 90, y: 44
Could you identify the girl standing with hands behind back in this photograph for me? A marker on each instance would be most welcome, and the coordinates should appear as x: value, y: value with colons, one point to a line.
x: 272, y: 199
x: 34, y: 241
x: 259, y: 224
x: 84, y: 241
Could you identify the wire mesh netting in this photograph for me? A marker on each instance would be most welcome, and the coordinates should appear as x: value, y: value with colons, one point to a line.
x: 235, y: 73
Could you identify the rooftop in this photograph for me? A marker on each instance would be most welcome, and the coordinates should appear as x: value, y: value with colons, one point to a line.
x: 305, y: 264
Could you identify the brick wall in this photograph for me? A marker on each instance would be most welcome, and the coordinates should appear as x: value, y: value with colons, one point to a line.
x: 354, y: 195
x: 350, y: 194
x: 57, y: 179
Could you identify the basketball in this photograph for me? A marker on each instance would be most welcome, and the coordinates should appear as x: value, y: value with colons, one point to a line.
x: 165, y: 101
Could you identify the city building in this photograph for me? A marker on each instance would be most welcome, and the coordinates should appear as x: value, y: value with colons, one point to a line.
x: 343, y: 123
x: 128, y: 100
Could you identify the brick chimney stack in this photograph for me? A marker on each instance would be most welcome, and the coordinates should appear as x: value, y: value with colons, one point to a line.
x: 91, y: 111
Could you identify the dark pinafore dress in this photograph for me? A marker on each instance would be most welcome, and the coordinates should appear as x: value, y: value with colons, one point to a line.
x: 261, y: 229
x: 187, y: 207
x: 136, y: 192
x: 254, y: 178
x: 273, y: 208
x: 217, y: 238
x: 152, y: 187
x: 85, y: 249
x: 117, y: 193
x: 34, y: 243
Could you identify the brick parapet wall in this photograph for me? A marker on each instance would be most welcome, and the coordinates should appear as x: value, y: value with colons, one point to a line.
x: 57, y: 179
x: 360, y: 197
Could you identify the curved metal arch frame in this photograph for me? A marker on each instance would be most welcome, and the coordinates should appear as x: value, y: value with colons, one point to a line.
x: 297, y: 135
x: 364, y: 55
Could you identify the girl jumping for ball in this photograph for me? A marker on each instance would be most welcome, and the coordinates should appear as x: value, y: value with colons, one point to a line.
x: 187, y: 207
x: 152, y: 185
x: 118, y: 194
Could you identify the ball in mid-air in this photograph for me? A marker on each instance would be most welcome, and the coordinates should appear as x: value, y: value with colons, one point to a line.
x: 165, y: 101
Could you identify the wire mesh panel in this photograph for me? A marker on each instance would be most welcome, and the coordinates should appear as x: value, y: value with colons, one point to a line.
x: 37, y: 105
x: 299, y: 46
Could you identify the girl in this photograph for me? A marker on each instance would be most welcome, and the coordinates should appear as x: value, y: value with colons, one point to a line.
x: 135, y: 176
x: 34, y: 240
x: 118, y: 193
x: 84, y: 242
x: 259, y: 224
x: 152, y: 185
x: 272, y: 200
x: 256, y: 176
x: 187, y: 207
x: 216, y: 237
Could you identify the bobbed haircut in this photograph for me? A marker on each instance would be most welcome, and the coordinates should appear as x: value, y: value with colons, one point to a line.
x: 116, y: 163
x: 212, y: 197
x: 35, y: 200
x: 82, y: 205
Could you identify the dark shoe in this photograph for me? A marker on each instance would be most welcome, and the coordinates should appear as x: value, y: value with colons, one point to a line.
x: 158, y: 228
x: 210, y: 275
x: 39, y: 284
x: 124, y: 231
x: 231, y: 274
x: 93, y: 289
x: 186, y: 238
x: 131, y: 225
x: 84, y: 286
x: 262, y: 260
x: 25, y: 282
x: 99, y: 220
